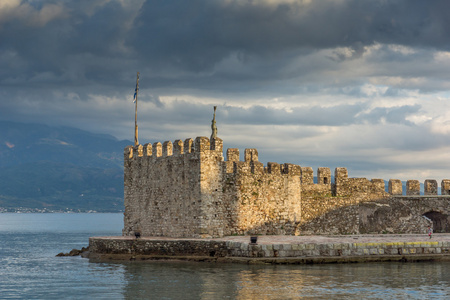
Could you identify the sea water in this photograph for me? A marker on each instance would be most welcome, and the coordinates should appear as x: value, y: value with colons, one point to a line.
x: 30, y: 270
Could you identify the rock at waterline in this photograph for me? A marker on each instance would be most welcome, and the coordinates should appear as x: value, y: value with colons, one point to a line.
x: 74, y: 252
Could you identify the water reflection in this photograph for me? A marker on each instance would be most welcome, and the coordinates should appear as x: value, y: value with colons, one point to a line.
x: 349, y: 281
x: 183, y: 280
x: 30, y: 270
x: 179, y: 280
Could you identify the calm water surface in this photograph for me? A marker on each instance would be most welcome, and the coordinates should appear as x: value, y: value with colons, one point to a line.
x: 30, y: 270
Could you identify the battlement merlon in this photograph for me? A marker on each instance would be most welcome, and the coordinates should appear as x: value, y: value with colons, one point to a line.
x: 430, y: 187
x: 307, y: 176
x: 178, y: 147
x: 445, y: 187
x: 324, y: 176
x: 412, y: 187
x: 250, y: 155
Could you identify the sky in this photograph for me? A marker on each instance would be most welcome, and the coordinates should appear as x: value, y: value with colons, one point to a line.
x: 332, y: 83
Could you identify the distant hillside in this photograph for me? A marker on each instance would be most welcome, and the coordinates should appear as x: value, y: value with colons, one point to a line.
x: 59, y: 168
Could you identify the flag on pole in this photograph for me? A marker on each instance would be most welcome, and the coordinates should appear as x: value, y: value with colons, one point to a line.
x: 135, y: 93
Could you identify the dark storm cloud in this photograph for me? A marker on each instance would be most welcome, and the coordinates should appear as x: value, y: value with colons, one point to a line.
x: 196, y: 35
x: 80, y: 45
x: 101, y: 41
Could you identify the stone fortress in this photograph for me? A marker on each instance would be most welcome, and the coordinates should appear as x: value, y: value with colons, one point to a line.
x: 185, y: 189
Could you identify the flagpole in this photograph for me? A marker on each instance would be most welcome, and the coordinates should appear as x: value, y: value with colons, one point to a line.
x: 136, y: 140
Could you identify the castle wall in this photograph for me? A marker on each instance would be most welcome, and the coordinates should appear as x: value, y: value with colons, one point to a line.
x: 405, y: 214
x: 260, y: 200
x: 186, y: 189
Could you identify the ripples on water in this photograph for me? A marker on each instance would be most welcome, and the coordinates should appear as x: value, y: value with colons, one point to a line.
x: 30, y: 270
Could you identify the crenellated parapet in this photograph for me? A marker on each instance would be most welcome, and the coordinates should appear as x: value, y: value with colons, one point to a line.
x: 251, y: 165
x: 176, y: 148
x: 412, y: 187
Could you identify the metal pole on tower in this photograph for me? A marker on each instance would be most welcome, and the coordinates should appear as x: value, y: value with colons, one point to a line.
x: 136, y: 139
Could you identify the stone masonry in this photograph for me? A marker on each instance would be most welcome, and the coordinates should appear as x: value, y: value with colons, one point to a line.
x: 276, y: 249
x: 187, y: 189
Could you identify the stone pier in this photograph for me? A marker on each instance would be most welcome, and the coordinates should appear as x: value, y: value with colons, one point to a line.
x: 276, y: 249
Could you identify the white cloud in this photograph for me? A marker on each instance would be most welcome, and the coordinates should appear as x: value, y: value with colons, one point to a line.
x: 16, y: 10
x: 404, y: 50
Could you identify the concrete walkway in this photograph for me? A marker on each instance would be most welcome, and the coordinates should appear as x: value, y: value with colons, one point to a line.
x: 323, y: 239
x: 310, y: 239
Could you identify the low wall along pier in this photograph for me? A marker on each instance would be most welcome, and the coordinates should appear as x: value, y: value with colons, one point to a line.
x: 276, y: 249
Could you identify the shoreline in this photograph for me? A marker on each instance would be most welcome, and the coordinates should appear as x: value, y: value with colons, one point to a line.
x: 275, y: 249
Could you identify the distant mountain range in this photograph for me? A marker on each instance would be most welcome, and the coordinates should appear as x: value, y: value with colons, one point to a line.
x: 45, y: 168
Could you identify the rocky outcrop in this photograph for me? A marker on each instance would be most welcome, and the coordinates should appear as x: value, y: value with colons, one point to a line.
x: 75, y: 252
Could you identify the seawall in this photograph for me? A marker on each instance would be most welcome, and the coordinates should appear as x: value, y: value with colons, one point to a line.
x: 276, y: 249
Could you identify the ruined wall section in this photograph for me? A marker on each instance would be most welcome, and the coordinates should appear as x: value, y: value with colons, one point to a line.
x: 333, y: 208
x: 406, y: 214
x: 360, y: 206
x: 258, y: 199
x: 164, y: 186
x: 406, y: 211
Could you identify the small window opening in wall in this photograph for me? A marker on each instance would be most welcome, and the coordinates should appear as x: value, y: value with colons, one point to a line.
x: 325, y: 180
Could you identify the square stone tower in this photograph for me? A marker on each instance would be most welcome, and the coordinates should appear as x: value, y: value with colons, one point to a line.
x: 174, y: 189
